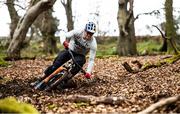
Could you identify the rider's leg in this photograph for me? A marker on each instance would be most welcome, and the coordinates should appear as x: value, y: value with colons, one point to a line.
x: 80, y: 59
x: 62, y: 57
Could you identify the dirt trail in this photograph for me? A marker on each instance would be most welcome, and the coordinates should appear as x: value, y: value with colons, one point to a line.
x: 138, y: 90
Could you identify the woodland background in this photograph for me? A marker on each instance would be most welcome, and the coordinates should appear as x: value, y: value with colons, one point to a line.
x: 130, y: 74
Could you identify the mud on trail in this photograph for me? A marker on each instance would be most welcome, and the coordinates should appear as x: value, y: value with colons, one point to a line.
x: 136, y: 91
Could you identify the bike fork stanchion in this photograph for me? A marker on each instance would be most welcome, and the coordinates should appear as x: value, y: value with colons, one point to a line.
x: 40, y: 86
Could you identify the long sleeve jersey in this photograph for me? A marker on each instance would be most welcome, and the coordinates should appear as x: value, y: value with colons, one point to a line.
x: 81, y: 46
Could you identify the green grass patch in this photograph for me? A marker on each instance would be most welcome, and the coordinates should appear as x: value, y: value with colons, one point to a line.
x: 3, y: 63
x: 149, y: 46
x: 2, y: 51
x: 144, y: 47
x: 106, y: 49
x: 35, y: 49
x: 80, y: 104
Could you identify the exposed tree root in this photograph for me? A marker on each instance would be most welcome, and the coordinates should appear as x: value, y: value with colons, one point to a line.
x: 147, y: 65
x: 159, y: 104
x: 168, y: 60
x: 96, y: 100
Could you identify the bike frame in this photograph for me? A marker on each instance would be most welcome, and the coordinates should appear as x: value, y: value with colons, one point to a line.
x: 60, y: 69
x: 55, y: 72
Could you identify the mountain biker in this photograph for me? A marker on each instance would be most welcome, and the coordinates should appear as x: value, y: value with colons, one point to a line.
x: 80, y: 42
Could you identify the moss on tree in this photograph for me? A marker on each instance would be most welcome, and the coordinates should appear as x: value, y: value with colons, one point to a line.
x: 173, y: 59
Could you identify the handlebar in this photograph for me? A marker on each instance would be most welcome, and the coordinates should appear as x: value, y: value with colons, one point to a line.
x: 73, y: 59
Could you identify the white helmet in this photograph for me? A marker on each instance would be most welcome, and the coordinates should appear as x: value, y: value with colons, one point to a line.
x: 90, y: 27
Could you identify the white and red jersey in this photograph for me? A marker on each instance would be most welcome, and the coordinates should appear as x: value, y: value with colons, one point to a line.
x: 81, y: 46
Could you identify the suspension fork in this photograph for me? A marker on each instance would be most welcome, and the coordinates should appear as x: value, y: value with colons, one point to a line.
x: 55, y: 72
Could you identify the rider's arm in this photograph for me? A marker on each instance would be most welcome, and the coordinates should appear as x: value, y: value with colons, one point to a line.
x: 68, y: 36
x: 92, y: 55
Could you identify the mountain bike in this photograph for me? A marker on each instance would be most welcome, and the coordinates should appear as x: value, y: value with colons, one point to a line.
x: 60, y: 76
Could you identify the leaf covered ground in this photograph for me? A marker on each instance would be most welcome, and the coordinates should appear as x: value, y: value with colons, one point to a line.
x: 137, y: 91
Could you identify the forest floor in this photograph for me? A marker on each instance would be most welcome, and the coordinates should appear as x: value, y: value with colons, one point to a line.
x: 137, y: 91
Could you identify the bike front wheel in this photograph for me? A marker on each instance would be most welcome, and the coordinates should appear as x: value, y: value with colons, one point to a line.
x: 60, y: 80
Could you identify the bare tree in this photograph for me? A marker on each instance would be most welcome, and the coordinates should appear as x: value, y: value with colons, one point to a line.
x: 68, y: 8
x: 23, y: 26
x: 46, y: 25
x: 126, y: 41
x: 14, y: 20
x: 13, y: 16
x: 170, y: 26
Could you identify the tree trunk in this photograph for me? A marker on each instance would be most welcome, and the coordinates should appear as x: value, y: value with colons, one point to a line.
x: 170, y: 29
x: 50, y: 44
x: 68, y: 8
x: 163, y: 48
x: 126, y: 41
x: 23, y: 26
x: 13, y: 16
x: 47, y: 26
x: 48, y: 29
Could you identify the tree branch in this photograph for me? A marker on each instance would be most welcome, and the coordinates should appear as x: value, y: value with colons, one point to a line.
x: 163, y: 36
x: 23, y: 8
x: 170, y: 40
x: 149, y: 13
x: 96, y: 100
x: 128, y: 67
x: 63, y: 3
x: 159, y: 104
